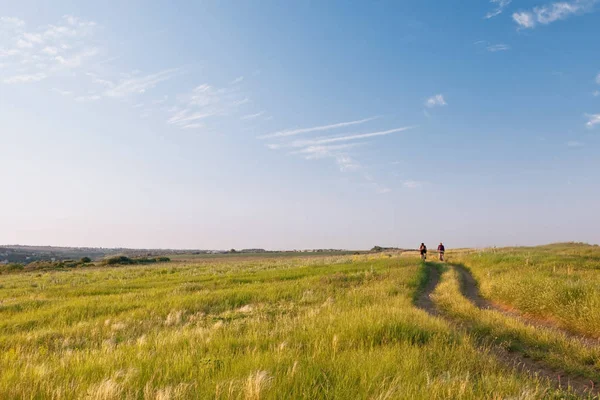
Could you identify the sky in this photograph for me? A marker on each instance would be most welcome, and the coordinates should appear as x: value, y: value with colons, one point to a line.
x: 299, y: 124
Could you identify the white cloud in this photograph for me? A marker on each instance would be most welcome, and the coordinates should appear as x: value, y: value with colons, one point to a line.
x: 185, y: 116
x: 253, y: 116
x: 85, y: 99
x: 598, y: 78
x: 51, y: 51
x: 552, y: 12
x: 593, y: 119
x: 237, y: 80
x: 293, y: 132
x: 337, y: 139
x: 524, y: 19
x: 205, y: 101
x: 77, y: 59
x: 11, y: 22
x: 574, y: 143
x: 62, y: 92
x: 139, y: 84
x: 596, y: 93
x: 357, y: 137
x: 193, y: 126
x: 25, y: 78
x: 500, y: 6
x: 24, y: 44
x: 497, y: 47
x: 44, y: 51
x: 346, y: 163
x: 412, y: 184
x: 320, y: 151
x: 437, y: 100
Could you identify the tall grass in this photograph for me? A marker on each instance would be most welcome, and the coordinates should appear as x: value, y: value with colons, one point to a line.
x: 559, y: 283
x: 490, y: 326
x: 318, y: 328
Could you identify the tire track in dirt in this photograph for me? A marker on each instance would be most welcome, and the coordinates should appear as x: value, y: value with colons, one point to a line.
x: 424, y: 301
x: 470, y: 289
x: 557, y: 378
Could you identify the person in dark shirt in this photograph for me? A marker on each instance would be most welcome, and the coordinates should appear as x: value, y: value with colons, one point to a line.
x: 423, y: 250
x: 441, y: 250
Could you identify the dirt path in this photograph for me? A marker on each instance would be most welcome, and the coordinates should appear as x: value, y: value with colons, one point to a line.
x: 470, y: 290
x: 557, y: 378
x: 424, y: 301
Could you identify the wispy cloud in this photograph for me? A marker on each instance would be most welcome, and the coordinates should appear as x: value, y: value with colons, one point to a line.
x: 253, y: 116
x: 434, y: 101
x: 237, y: 80
x: 339, y: 153
x: 293, y: 132
x: 11, y: 22
x: 45, y: 51
x: 320, y: 151
x: 598, y: 78
x: 26, y: 78
x: 493, y: 48
x: 412, y: 184
x: 337, y: 139
x: 62, y: 92
x: 596, y: 93
x: 342, y: 149
x: 88, y: 98
x: 593, y: 119
x: 574, y: 143
x: 552, y: 12
x: 524, y: 19
x: 500, y: 5
x: 137, y: 84
x: 205, y: 101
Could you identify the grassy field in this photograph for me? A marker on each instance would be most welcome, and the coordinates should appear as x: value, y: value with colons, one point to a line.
x: 557, y: 283
x: 343, y: 327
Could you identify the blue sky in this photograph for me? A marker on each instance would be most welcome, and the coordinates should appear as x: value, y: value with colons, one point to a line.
x: 307, y: 124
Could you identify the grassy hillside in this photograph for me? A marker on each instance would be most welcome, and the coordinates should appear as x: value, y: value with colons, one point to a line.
x: 376, y: 326
x: 330, y: 327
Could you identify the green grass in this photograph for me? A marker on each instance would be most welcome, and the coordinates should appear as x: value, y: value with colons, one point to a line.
x: 340, y: 327
x: 559, y: 283
x: 492, y: 327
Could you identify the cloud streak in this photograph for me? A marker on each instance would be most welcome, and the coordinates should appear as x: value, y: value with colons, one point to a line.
x: 137, y: 85
x: 493, y: 48
x: 26, y: 78
x: 338, y: 139
x: 204, y: 102
x: 552, y: 12
x: 500, y: 6
x: 253, y: 116
x: 294, y: 132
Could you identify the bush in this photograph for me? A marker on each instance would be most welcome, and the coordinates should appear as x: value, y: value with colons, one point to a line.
x: 118, y: 260
x: 123, y: 260
x: 86, y: 260
x: 8, y: 268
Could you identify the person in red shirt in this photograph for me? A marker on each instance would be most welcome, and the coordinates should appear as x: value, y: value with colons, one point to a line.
x: 441, y: 250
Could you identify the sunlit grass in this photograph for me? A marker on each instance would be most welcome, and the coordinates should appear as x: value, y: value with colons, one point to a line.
x: 334, y: 327
x: 490, y: 326
x: 559, y: 283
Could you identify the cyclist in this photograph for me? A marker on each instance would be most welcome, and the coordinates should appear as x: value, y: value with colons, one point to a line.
x: 441, y: 250
x: 423, y: 250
